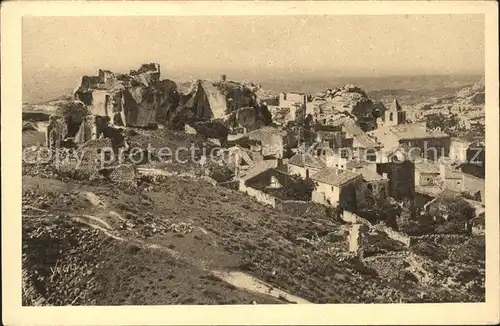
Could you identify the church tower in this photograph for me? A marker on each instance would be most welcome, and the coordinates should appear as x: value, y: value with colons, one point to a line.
x: 395, y: 115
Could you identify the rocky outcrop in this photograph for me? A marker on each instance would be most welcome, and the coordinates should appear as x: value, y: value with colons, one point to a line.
x: 137, y: 99
x: 141, y: 99
x: 348, y: 99
x: 235, y: 104
x: 473, y: 94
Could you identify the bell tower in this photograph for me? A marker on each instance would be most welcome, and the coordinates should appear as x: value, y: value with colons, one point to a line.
x: 395, y: 115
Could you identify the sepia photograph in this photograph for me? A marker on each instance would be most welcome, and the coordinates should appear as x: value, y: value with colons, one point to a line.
x: 254, y: 159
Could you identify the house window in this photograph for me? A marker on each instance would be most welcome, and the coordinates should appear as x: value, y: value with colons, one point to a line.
x: 344, y: 153
x: 307, y: 173
x: 332, y: 188
x: 370, y: 187
x: 284, y: 96
x: 371, y: 155
x: 391, y: 116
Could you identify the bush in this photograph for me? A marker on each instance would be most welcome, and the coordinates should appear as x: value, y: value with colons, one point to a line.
x: 451, y: 227
x: 295, y: 188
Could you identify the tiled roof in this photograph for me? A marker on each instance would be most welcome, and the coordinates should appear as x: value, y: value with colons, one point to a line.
x: 259, y: 168
x: 334, y: 176
x: 415, y: 131
x: 369, y: 174
x: 434, y: 167
x: 472, y: 183
x: 431, y: 191
x: 306, y: 160
x: 356, y: 164
x: 427, y: 167
x: 359, y: 135
x: 452, y: 174
x: 264, y: 133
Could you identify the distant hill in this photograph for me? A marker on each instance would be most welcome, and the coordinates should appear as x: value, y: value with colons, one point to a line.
x: 410, y: 97
x: 43, y: 85
x: 312, y: 84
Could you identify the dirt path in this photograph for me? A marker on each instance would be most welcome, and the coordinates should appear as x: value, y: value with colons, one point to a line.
x: 238, y: 279
x: 250, y: 283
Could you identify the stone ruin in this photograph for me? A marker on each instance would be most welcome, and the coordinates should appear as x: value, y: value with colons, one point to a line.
x: 142, y: 99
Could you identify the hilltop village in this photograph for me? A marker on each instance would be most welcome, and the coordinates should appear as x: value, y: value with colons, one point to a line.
x: 373, y: 169
x: 356, y: 151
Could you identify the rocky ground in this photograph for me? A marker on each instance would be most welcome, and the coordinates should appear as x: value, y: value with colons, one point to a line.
x: 175, y: 240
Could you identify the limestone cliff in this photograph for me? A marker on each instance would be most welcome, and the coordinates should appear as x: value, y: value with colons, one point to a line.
x: 141, y: 99
x: 235, y: 104
x: 137, y: 99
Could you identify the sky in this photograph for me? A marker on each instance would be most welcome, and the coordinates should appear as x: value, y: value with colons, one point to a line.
x: 255, y: 46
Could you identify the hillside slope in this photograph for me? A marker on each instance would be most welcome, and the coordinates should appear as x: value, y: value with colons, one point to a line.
x: 211, y: 228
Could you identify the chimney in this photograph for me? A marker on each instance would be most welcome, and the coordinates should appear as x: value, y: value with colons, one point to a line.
x: 223, y: 77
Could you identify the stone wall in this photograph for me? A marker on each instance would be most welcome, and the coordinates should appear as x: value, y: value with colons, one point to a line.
x: 350, y: 217
x: 259, y: 196
x: 395, y: 235
x: 319, y: 197
x: 300, y: 208
x: 439, y: 238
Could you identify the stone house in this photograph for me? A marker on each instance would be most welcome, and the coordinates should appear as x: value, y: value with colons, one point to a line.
x: 452, y: 179
x: 442, y: 176
x: 458, y: 149
x: 432, y: 144
x: 267, y: 178
x: 256, y: 173
x: 337, y: 158
x: 394, y: 130
x: 432, y: 174
x: 427, y: 174
x: 304, y: 165
x: 345, y: 135
x: 374, y: 185
x: 291, y: 99
x: 337, y: 187
x: 401, y: 175
x: 273, y: 141
x: 239, y: 159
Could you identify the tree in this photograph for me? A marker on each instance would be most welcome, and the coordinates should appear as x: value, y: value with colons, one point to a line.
x: 382, y: 209
x: 447, y: 123
x: 298, y: 188
x: 294, y: 188
x: 308, y: 121
x: 453, y: 214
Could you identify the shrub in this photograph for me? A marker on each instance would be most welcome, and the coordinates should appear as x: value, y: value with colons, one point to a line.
x: 295, y: 188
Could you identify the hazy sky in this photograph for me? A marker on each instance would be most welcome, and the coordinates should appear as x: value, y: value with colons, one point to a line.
x: 344, y: 45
